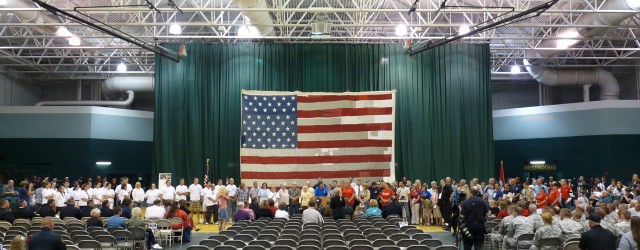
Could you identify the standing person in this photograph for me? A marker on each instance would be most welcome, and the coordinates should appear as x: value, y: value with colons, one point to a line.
x: 403, y: 193
x: 597, y: 237
x: 233, y: 198
x: 554, y: 196
x: 264, y: 193
x: 60, y: 197
x: 386, y: 194
x: 445, y: 202
x: 195, y: 198
x: 565, y: 195
x: 305, y: 198
x: 374, y: 191
x: 25, y: 191
x: 349, y: 194
x: 210, y: 200
x: 38, y: 196
x: 425, y: 199
x: 181, y: 190
x: 97, y: 194
x: 337, y: 205
x: 437, y: 214
x: 321, y: 192
x: 473, y: 212
x: 365, y: 196
x: 137, y: 195
x: 152, y: 195
x: 631, y: 239
x: 283, y: 195
x: 253, y: 192
x: 83, y: 196
x: 46, y: 239
x: 541, y: 198
x: 294, y: 199
x: 223, y: 201
x: 168, y: 193
x: 109, y: 194
x: 415, y: 204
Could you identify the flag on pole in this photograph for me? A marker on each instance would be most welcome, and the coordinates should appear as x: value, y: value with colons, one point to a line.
x: 297, y: 136
x: 502, y: 171
x: 206, y: 173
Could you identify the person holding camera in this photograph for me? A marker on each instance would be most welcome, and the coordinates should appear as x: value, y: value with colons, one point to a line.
x: 473, y: 212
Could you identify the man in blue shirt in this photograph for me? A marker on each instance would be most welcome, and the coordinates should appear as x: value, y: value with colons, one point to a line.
x: 606, y: 199
x: 46, y: 239
x: 116, y: 220
x: 321, y: 190
x: 497, y: 193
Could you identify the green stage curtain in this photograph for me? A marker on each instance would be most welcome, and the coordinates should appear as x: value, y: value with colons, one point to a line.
x: 443, y: 101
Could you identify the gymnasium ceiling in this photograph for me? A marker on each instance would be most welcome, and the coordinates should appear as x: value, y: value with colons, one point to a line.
x: 36, y: 51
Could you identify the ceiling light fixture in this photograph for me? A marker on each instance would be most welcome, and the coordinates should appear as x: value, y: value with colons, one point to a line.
x: 175, y: 29
x: 103, y: 163
x: 464, y: 29
x: 3, y: 2
x: 247, y: 32
x: 401, y: 30
x: 515, y: 69
x: 537, y: 162
x: 74, y: 41
x: 63, y: 32
x: 122, y: 68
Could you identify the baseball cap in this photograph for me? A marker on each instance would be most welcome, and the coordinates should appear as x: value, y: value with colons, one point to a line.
x: 594, y: 217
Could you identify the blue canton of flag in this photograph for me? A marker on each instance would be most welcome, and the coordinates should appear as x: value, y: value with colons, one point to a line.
x: 269, y: 122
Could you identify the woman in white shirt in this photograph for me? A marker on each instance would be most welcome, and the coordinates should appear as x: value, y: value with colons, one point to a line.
x: 97, y: 194
x: 138, y: 195
x: 47, y: 193
x: 152, y: 194
x: 60, y: 197
x: 83, y: 196
x: 264, y: 193
x: 283, y: 194
x: 281, y: 212
x: 273, y: 194
x: 109, y: 194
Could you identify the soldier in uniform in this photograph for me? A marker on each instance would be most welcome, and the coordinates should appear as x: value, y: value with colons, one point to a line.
x: 518, y: 226
x: 568, y: 227
x: 498, y: 237
x: 602, y: 212
x: 535, y: 217
x: 622, y: 227
x: 547, y: 230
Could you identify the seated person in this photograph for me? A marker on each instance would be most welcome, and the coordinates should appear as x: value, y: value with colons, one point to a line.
x: 70, y: 210
x: 518, y: 226
x: 137, y: 221
x: 264, y: 211
x: 393, y: 208
x: 126, y: 208
x: 547, y: 230
x: 115, y: 220
x: 156, y: 211
x: 46, y: 238
x: 241, y: 213
x: 281, y: 212
x: 23, y: 211
x: 373, y: 210
x: 95, y: 220
x: 5, y: 212
x: 311, y: 214
x: 105, y: 211
x: 49, y: 209
x: 86, y: 210
x: 176, y: 212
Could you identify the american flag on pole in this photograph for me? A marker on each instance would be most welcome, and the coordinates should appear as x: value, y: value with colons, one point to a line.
x: 297, y: 136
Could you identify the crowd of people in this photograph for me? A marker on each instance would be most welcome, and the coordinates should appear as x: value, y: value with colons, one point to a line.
x: 564, y: 208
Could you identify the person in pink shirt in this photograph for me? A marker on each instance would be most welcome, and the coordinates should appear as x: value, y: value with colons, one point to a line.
x: 223, y: 216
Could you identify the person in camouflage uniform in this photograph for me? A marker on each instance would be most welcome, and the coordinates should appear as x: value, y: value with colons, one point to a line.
x: 518, y: 226
x: 622, y: 227
x: 612, y: 215
x: 535, y: 217
x: 498, y: 237
x: 568, y: 227
x: 547, y: 230
x: 604, y: 223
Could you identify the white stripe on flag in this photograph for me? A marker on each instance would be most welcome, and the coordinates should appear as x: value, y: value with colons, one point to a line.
x: 374, y: 135
x: 329, y: 167
x: 345, y: 120
x: 316, y: 151
x: 345, y: 104
x: 301, y: 182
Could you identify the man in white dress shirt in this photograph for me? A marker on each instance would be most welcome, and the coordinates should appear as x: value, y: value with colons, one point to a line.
x: 233, y: 199
x: 181, y: 190
x: 168, y: 192
x: 123, y: 193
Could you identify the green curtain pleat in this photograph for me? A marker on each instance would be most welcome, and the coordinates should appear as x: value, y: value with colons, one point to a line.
x: 443, y: 101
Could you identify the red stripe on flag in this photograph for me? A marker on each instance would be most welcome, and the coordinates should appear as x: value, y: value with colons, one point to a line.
x: 345, y: 128
x: 314, y: 159
x: 344, y: 112
x: 330, y: 98
x: 314, y: 174
x: 344, y: 144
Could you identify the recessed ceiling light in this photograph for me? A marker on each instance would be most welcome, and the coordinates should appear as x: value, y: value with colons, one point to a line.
x: 64, y: 32
x: 103, y: 163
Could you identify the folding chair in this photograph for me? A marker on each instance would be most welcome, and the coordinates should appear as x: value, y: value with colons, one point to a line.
x: 89, y: 244
x: 407, y: 243
x: 421, y: 236
x: 431, y: 243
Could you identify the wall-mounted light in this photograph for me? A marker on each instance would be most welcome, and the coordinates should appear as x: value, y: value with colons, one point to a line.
x: 537, y: 162
x: 103, y: 163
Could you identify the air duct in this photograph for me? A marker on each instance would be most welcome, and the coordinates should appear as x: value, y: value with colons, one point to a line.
x: 37, y: 15
x: 126, y: 102
x: 569, y: 37
x: 259, y: 19
x: 124, y: 83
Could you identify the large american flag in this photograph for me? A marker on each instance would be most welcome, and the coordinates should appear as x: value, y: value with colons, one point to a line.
x: 297, y: 136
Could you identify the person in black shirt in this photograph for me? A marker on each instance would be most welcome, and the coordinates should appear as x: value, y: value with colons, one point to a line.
x: 337, y: 205
x: 597, y: 237
x: 374, y: 191
x: 86, y: 210
x: 70, y: 210
x: 105, y: 211
x: 264, y: 211
x: 95, y: 220
x: 444, y: 203
x: 23, y: 211
x: 254, y: 206
x: 46, y: 239
x: 473, y: 211
x: 5, y: 212
x: 49, y: 209
x: 393, y: 208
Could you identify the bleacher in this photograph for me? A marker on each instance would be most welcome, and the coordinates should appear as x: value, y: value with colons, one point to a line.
x: 357, y: 234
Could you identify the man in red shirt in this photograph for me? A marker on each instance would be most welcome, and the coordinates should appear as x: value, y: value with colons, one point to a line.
x: 385, y: 195
x: 541, y: 199
x: 554, y: 195
x: 565, y: 192
x: 348, y: 193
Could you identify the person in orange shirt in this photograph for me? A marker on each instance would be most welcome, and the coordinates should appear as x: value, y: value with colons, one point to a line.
x: 541, y: 199
x: 554, y: 195
x: 348, y: 193
x: 175, y: 212
x: 565, y: 192
x: 385, y: 195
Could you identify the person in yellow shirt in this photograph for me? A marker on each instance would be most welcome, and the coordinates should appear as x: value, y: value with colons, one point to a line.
x: 305, y: 197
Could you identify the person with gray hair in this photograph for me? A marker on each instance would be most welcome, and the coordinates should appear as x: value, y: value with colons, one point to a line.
x: 241, y: 213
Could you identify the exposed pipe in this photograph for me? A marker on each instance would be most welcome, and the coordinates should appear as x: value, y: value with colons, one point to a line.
x: 259, y: 19
x: 585, y: 92
x: 36, y: 15
x: 126, y: 102
x: 609, y: 89
x: 124, y: 83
